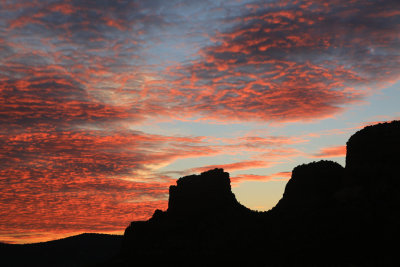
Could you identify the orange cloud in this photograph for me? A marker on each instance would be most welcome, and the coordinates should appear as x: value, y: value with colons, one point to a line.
x: 328, y: 152
x: 280, y: 176
x: 243, y: 165
x: 288, y: 62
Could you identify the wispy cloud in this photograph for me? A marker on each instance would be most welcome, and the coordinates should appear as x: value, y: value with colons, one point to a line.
x: 329, y: 152
x: 243, y: 165
x: 280, y: 176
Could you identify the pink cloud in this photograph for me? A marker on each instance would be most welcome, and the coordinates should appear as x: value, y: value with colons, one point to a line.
x: 328, y: 152
x: 243, y: 165
x: 280, y: 176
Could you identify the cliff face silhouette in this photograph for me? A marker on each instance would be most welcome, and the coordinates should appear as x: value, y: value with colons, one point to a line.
x: 372, y: 162
x: 206, y: 194
x: 200, y: 208
x: 312, y: 186
x: 328, y: 215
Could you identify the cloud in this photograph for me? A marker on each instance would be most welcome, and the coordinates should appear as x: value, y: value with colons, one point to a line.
x: 78, y: 181
x: 280, y: 176
x: 291, y: 61
x: 243, y: 165
x: 328, y: 152
x: 83, y: 180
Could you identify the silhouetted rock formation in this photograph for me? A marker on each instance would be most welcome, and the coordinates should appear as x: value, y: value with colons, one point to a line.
x: 372, y: 162
x: 207, y: 193
x: 312, y: 186
x: 328, y: 215
x: 198, y: 221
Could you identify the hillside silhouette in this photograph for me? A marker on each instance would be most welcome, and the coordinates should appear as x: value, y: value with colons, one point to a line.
x: 329, y: 215
x: 80, y: 250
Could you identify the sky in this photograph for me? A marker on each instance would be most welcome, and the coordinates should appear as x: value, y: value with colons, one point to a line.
x: 104, y: 104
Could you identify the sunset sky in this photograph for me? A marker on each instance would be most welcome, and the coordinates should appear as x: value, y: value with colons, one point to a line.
x: 104, y: 104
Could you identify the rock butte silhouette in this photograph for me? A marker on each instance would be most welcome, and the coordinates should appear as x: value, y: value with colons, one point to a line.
x: 328, y: 216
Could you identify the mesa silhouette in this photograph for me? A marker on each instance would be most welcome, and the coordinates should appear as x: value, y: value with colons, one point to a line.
x: 328, y: 216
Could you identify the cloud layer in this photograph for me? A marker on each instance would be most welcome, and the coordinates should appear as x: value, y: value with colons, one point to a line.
x: 291, y: 60
x: 78, y: 78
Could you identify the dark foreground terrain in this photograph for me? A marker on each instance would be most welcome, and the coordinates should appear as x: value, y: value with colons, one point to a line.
x: 328, y: 216
x: 80, y: 250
